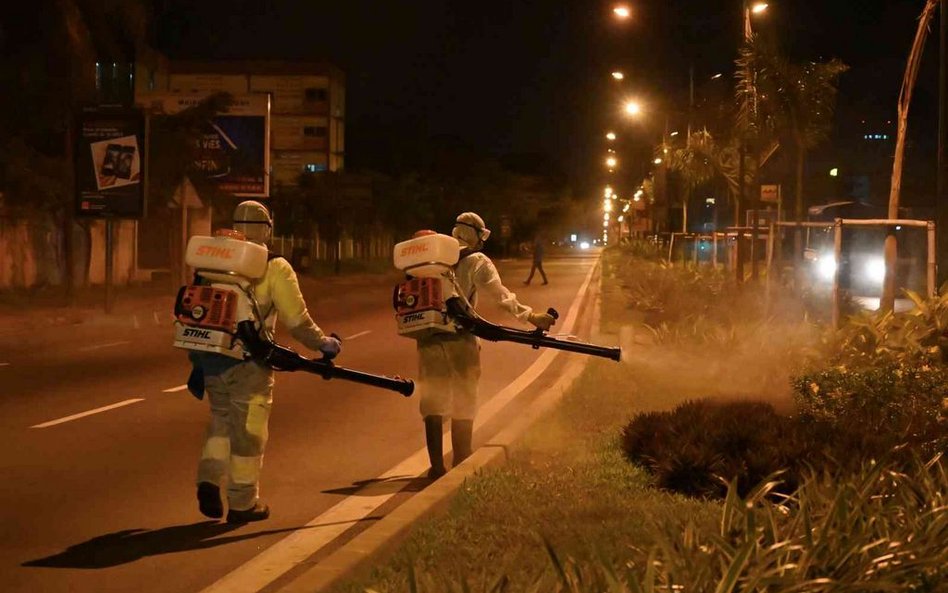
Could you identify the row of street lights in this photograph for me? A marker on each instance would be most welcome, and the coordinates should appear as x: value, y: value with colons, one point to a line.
x: 633, y: 108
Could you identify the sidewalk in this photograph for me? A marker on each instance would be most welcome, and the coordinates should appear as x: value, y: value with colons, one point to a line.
x: 133, y: 306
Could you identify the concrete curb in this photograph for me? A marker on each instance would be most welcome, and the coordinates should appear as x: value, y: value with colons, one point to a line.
x: 385, y: 535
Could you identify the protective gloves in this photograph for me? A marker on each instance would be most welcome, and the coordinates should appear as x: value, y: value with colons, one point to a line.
x: 330, y: 346
x: 542, y: 321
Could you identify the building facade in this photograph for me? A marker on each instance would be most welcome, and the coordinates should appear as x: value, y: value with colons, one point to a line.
x: 307, y: 119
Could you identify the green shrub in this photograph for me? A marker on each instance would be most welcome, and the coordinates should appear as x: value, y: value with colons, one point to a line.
x: 699, y: 446
x: 889, y: 404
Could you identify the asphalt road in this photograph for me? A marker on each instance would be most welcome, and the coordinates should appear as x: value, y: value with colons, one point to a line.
x: 105, y: 501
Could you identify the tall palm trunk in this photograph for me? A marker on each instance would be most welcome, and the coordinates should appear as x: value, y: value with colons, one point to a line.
x: 905, y: 100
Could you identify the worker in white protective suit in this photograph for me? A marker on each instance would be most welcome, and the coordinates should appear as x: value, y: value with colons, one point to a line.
x: 241, y: 392
x: 449, y: 364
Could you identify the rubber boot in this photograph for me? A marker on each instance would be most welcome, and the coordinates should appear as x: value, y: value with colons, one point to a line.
x: 209, y: 500
x: 462, y: 433
x: 434, y: 441
x: 258, y: 512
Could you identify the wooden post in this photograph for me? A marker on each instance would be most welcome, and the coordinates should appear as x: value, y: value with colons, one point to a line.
x: 109, y: 280
x: 714, y: 250
x: 671, y: 247
x: 932, y: 260
x: 837, y: 254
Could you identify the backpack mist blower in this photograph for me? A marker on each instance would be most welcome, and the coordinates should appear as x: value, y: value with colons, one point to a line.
x: 219, y: 314
x: 430, y: 301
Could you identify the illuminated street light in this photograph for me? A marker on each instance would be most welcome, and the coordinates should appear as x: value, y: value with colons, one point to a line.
x: 605, y: 224
x: 607, y: 206
x: 717, y: 76
x: 633, y: 108
x: 611, y: 136
x: 673, y: 134
x: 611, y: 162
x: 605, y: 217
x: 620, y: 219
x: 834, y: 172
x: 759, y: 7
x: 658, y: 161
x: 608, y: 191
x: 622, y: 11
x: 618, y: 75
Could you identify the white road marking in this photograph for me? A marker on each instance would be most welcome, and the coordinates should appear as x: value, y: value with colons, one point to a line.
x: 4, y: 364
x: 295, y: 548
x: 101, y: 346
x: 154, y: 315
x: 135, y: 322
x: 90, y: 412
x: 359, y: 335
x: 175, y: 389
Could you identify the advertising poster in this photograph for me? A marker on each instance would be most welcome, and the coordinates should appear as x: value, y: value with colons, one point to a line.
x: 233, y: 151
x: 109, y: 163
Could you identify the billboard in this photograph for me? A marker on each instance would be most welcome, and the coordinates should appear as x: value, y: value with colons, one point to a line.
x: 109, y: 163
x: 233, y: 150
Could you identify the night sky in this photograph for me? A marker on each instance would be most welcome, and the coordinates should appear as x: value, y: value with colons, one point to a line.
x: 533, y: 76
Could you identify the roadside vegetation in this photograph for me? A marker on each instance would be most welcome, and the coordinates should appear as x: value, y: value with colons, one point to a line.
x: 740, y: 447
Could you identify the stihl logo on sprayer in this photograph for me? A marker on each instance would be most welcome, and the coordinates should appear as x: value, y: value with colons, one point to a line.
x: 211, y: 251
x: 191, y: 332
x: 414, y: 249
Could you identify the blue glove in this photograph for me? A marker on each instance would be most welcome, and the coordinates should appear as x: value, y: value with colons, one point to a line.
x: 330, y: 346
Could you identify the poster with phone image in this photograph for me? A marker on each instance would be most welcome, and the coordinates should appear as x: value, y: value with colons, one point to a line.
x: 110, y: 163
x: 118, y: 162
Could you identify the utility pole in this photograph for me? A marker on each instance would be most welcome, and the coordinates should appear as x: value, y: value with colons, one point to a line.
x: 941, y: 199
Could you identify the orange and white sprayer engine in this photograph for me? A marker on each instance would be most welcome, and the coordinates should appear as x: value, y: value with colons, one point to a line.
x: 421, y: 301
x: 208, y: 311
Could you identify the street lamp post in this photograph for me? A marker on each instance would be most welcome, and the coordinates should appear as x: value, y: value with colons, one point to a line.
x: 750, y: 8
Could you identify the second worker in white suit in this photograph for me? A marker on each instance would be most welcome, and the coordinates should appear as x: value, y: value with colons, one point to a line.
x: 449, y: 364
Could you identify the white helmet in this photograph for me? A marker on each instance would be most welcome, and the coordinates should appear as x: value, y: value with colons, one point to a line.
x: 253, y: 220
x: 470, y: 230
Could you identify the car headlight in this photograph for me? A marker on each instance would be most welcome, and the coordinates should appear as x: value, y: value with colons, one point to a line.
x: 826, y: 267
x: 874, y: 270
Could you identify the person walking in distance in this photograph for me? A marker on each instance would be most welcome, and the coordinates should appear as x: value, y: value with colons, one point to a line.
x: 450, y: 363
x: 537, y: 260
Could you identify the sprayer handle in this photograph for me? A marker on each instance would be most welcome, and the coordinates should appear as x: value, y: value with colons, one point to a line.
x: 553, y: 313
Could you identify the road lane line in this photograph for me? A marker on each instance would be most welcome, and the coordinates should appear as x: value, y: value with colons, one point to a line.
x: 4, y: 364
x: 175, y: 389
x: 89, y: 413
x: 283, y: 556
x: 101, y: 346
x: 359, y: 335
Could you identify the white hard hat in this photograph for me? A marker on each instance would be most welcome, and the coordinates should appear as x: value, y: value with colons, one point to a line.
x: 253, y: 220
x: 469, y: 229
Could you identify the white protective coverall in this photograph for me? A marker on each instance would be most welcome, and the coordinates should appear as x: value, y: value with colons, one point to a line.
x: 450, y: 364
x: 241, y: 392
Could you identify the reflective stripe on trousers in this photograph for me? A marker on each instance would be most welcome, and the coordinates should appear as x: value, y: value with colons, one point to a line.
x: 449, y: 368
x: 240, y: 400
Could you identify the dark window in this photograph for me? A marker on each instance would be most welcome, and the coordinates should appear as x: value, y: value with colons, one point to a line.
x: 315, y: 131
x: 314, y: 95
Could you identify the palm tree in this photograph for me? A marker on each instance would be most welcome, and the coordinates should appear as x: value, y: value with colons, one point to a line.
x: 786, y: 101
x: 887, y: 303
